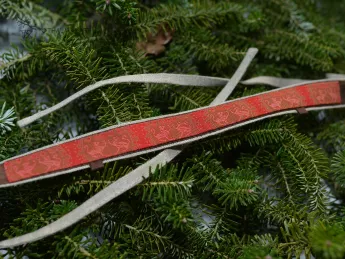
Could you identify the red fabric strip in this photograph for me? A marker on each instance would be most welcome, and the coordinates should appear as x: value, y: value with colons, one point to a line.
x: 150, y: 134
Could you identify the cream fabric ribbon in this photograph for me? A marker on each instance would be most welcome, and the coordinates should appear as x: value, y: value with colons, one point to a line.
x: 282, y: 82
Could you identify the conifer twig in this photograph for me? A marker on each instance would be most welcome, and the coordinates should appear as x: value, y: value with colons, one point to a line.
x: 4, y: 65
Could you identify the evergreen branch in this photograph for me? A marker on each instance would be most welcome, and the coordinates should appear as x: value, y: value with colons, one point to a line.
x: 296, y: 240
x: 315, y: 164
x: 302, y: 174
x: 264, y: 240
x: 176, y: 213
x: 285, y: 181
x: 19, y: 64
x: 223, y: 224
x: 111, y: 111
x: 197, y: 208
x: 333, y: 32
x: 327, y: 240
x: 35, y: 14
x: 182, y: 98
x: 300, y: 166
x: 168, y: 183
x: 146, y: 236
x: 121, y: 103
x: 240, y: 185
x: 81, y: 244
x: 11, y: 60
x: 208, y: 171
x: 6, y: 119
x: 91, y: 183
x: 97, y: 182
x: 201, y: 14
x: 289, y: 11
x: 312, y: 43
x: 187, y: 99
x: 282, y: 171
x: 304, y: 50
x: 79, y: 60
x: 198, y: 240
x: 338, y: 168
x: 206, y: 47
x: 81, y: 249
x: 276, y: 211
x: 236, y: 192
x: 10, y: 144
x: 332, y: 136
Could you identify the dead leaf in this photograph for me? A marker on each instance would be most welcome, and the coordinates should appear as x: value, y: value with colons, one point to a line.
x: 155, y: 44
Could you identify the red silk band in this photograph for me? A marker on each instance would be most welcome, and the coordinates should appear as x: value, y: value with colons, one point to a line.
x: 138, y: 136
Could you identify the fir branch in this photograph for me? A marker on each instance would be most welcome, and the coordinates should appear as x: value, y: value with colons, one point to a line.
x: 327, y: 240
x: 168, y: 183
x: 283, y: 173
x: 121, y: 103
x: 208, y: 171
x: 177, y: 98
x: 303, y: 50
x: 201, y: 14
x: 187, y: 99
x: 338, y: 168
x: 223, y: 224
x: 235, y: 192
x: 147, y: 237
x: 206, y: 47
x: 296, y: 239
x: 79, y: 248
x: 311, y: 162
x: 35, y: 14
x: 277, y: 211
x: 291, y: 12
x: 92, y: 183
x: 176, y: 213
x: 78, y: 59
x: 10, y: 144
x: 314, y: 44
x: 11, y: 59
x: 6, y: 119
x: 332, y: 136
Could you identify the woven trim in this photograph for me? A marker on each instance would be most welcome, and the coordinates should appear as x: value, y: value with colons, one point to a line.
x: 164, y: 116
x: 152, y: 135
